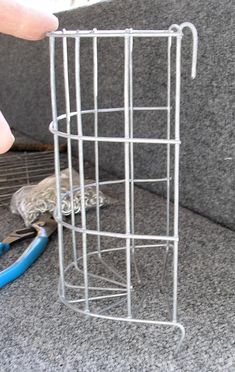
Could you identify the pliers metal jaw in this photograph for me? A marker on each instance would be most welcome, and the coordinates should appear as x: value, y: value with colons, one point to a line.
x: 40, y: 230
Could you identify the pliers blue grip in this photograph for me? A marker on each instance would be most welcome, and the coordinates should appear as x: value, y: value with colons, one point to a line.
x: 4, y: 247
x: 41, y: 230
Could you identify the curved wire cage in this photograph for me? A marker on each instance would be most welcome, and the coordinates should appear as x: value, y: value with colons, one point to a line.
x: 101, y: 276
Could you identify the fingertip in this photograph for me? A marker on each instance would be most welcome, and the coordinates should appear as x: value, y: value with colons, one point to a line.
x: 52, y: 23
x: 7, y: 138
x: 49, y: 23
x: 37, y: 28
x: 56, y: 23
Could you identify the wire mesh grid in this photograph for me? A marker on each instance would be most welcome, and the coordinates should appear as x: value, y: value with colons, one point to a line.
x: 24, y: 168
x: 104, y: 281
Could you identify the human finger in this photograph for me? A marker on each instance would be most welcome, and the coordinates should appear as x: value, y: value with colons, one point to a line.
x: 6, y: 137
x: 25, y: 22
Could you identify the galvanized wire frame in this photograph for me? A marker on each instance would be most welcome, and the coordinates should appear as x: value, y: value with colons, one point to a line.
x: 167, y: 241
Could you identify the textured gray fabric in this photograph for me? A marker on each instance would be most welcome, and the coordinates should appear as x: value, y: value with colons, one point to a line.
x: 38, y: 333
x: 207, y: 130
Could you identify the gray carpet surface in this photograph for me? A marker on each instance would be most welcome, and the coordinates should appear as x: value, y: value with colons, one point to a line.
x: 207, y: 129
x: 38, y: 333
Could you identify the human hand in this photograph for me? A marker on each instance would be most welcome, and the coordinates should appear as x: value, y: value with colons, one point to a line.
x: 26, y: 23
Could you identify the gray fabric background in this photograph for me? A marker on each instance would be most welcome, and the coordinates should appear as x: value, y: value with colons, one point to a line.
x: 38, y: 333
x: 207, y: 130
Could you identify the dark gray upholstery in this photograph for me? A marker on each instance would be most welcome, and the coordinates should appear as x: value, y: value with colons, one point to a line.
x: 38, y: 333
x: 207, y: 129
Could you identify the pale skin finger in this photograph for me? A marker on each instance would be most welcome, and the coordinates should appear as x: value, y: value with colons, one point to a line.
x: 6, y: 137
x: 25, y: 23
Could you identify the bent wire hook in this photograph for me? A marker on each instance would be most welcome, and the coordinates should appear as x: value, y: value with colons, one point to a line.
x: 195, y: 43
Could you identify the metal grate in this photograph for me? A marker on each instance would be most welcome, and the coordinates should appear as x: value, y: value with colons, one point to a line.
x: 18, y: 169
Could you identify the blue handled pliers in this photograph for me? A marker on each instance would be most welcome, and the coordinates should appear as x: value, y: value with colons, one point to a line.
x: 40, y: 231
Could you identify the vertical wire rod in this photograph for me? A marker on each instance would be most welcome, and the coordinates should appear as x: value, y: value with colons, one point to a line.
x: 127, y: 168
x: 163, y: 283
x: 95, y: 88
x: 132, y: 158
x: 176, y: 176
x: 164, y: 273
x: 57, y: 163
x: 69, y: 144
x: 168, y: 131
x: 131, y: 136
x: 81, y: 170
